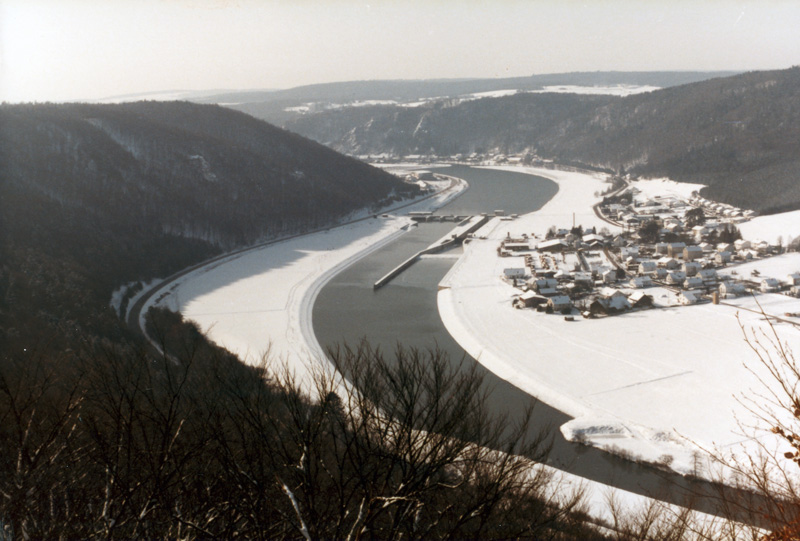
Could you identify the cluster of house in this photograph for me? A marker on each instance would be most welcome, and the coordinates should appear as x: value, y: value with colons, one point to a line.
x: 631, y: 210
x: 604, y: 274
x: 570, y: 272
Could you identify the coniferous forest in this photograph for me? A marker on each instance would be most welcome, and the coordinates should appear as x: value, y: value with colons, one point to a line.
x: 96, y: 196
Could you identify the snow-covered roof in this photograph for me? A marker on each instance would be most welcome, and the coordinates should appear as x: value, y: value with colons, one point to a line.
x: 550, y: 244
x: 636, y: 296
x: 609, y: 292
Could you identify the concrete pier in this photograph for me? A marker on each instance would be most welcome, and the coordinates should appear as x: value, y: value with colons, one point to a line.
x: 459, y: 233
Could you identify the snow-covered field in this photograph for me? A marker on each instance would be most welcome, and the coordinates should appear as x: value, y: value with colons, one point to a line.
x: 650, y: 384
x: 783, y: 227
x: 612, y: 90
x: 650, y: 188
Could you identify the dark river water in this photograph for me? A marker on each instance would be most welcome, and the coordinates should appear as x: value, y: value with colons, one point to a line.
x: 405, y: 312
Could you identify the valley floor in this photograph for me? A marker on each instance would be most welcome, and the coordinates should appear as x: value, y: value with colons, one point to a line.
x: 645, y: 384
x: 658, y: 385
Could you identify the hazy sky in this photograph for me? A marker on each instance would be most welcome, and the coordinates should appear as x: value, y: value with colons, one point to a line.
x: 85, y: 49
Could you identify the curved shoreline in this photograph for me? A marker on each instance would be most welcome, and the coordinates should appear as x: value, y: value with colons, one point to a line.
x: 292, y: 302
x: 634, y: 383
x: 268, y: 295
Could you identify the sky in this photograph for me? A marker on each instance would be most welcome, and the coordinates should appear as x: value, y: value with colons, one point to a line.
x: 60, y: 50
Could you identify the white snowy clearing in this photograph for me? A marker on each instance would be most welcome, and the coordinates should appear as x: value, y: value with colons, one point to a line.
x: 612, y: 90
x: 784, y: 227
x: 651, y: 384
x: 650, y: 188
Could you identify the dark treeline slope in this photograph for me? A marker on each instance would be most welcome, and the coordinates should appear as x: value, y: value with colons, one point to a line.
x: 94, y: 196
x: 740, y: 134
x: 103, y: 438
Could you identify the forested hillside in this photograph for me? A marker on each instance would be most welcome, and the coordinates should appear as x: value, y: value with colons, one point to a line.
x: 276, y: 106
x: 105, y: 438
x: 94, y: 196
x: 740, y: 135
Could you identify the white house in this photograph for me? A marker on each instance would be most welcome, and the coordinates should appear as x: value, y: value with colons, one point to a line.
x: 676, y: 277
x: 593, y: 238
x: 611, y: 293
x: 748, y: 255
x: 668, y: 263
x: 770, y: 285
x: 610, y: 301
x: 553, y: 245
x: 693, y: 282
x: 675, y: 249
x: 731, y: 289
x: 559, y: 303
x: 687, y: 297
x: 708, y: 275
x: 647, y: 267
x: 690, y: 253
x: 722, y: 258
x: 610, y: 276
x: 514, y: 272
x: 793, y: 279
x: 691, y: 267
x: 629, y: 251
x: 641, y: 282
x: 700, y: 231
x: 543, y: 283
x: 640, y: 299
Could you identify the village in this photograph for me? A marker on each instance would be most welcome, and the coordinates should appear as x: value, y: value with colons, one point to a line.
x: 672, y: 251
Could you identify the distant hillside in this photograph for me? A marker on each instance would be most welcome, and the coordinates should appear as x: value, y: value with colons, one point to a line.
x: 94, y: 196
x: 740, y: 134
x: 272, y: 105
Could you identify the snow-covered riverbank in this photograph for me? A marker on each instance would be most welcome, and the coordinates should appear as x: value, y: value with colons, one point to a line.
x: 656, y: 385
x: 259, y: 302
